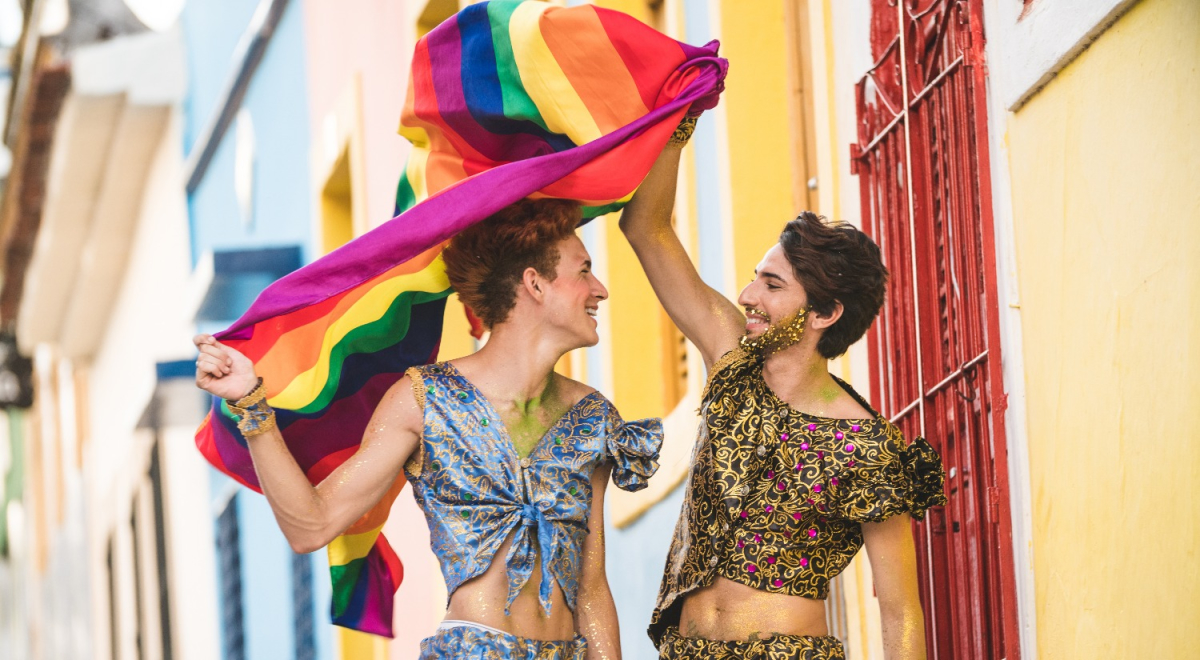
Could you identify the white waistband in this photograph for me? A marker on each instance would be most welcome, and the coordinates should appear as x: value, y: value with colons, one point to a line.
x: 450, y: 624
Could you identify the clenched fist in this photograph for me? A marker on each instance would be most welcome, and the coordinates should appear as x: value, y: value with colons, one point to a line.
x: 221, y: 370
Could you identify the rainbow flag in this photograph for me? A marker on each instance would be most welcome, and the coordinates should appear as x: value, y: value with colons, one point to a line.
x: 506, y: 100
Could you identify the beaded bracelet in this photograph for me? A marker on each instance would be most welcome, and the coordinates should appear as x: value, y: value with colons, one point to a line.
x: 255, y: 417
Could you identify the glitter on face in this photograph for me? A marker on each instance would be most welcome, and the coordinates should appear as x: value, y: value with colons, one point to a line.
x: 778, y: 336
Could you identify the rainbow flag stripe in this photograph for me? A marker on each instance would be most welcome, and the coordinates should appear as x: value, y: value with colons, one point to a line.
x: 506, y: 100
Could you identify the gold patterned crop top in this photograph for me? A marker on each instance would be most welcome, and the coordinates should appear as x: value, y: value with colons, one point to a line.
x: 776, y: 497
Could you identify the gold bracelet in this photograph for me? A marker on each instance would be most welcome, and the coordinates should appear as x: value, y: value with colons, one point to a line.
x: 255, y: 417
x: 683, y: 132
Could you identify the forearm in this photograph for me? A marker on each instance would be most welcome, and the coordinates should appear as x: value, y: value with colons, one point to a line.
x: 298, y: 507
x: 311, y: 516
x: 903, y: 629
x: 704, y: 316
x: 596, y: 619
x: 650, y: 209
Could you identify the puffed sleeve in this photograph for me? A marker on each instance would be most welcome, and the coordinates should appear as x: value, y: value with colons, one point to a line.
x: 633, y: 449
x: 908, y: 479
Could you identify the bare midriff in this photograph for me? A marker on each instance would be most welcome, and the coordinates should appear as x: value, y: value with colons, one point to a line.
x: 727, y: 610
x: 481, y: 600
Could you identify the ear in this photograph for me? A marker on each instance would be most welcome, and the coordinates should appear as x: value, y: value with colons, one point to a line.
x: 818, y: 321
x: 533, y: 284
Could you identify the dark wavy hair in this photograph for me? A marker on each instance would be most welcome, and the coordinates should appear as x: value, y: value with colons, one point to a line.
x: 485, y: 262
x: 835, y: 262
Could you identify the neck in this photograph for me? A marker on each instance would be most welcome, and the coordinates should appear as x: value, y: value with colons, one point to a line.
x: 800, y: 376
x: 516, y: 364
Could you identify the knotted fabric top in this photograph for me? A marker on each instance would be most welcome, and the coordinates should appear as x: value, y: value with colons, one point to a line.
x: 476, y: 491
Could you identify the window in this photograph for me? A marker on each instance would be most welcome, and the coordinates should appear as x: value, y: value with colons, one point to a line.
x: 922, y: 159
x: 675, y: 367
x: 337, y: 206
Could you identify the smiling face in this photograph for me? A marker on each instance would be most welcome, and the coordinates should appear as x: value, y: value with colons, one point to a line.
x: 774, y: 298
x: 572, y: 298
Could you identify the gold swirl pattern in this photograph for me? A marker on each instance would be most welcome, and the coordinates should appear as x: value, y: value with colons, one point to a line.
x: 777, y: 647
x: 476, y: 491
x: 471, y: 643
x: 777, y: 497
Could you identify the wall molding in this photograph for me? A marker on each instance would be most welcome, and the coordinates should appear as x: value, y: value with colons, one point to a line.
x: 1038, y: 41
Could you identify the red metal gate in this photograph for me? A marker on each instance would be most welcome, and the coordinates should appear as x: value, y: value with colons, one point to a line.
x: 922, y: 159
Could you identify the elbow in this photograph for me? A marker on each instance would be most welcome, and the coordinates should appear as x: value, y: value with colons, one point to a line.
x: 308, y: 539
x: 633, y: 223
x: 302, y: 544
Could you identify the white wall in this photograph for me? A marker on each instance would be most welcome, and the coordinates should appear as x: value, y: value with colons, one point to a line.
x: 152, y: 322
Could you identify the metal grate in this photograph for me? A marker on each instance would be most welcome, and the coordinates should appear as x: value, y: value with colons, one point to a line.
x: 229, y: 566
x: 303, y: 621
x: 922, y: 160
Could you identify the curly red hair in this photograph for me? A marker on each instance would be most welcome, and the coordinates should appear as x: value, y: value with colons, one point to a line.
x: 485, y: 262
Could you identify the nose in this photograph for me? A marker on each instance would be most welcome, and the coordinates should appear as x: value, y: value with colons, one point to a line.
x: 747, y: 298
x: 598, y: 290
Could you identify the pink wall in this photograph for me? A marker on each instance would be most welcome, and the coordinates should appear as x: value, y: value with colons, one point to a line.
x: 375, y: 39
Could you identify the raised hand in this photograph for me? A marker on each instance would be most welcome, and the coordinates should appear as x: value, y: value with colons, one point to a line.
x: 221, y: 370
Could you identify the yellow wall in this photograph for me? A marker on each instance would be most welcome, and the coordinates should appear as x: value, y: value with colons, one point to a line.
x: 637, y: 319
x: 635, y: 316
x: 1105, y: 166
x: 759, y: 126
x: 760, y: 186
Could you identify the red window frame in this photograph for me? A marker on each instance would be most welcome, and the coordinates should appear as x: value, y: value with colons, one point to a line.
x: 922, y: 159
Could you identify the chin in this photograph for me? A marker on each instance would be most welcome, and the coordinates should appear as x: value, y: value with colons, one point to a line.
x: 589, y: 339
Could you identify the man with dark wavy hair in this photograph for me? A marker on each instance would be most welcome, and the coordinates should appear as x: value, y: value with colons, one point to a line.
x: 508, y: 460
x: 793, y: 470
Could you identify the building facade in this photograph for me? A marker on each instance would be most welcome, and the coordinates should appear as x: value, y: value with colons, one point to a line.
x: 1026, y: 165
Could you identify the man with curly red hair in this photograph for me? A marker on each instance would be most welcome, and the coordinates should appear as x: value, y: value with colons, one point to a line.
x: 508, y: 459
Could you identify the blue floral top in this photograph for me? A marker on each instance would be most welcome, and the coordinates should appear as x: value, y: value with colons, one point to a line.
x: 475, y: 489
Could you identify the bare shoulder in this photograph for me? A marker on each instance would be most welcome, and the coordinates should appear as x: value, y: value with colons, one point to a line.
x: 847, y: 407
x: 402, y: 405
x: 571, y: 390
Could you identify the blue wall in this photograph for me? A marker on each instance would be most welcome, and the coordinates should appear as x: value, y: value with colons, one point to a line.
x: 638, y: 553
x: 278, y: 104
x: 635, y: 557
x: 277, y: 100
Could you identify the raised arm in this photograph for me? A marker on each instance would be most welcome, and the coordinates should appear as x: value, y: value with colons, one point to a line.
x: 706, y: 317
x: 311, y: 516
x: 894, y: 567
x: 595, y: 611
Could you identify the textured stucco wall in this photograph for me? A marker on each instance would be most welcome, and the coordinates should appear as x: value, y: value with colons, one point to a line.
x: 1104, y: 163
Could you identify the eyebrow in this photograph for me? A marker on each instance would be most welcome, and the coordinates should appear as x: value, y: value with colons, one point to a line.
x: 771, y: 275
x: 587, y: 263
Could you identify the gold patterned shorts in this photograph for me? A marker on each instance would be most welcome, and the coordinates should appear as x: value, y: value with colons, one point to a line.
x: 463, y: 640
x: 779, y: 647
